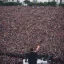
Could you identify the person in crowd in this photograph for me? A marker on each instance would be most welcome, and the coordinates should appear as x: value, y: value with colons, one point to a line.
x: 50, y: 58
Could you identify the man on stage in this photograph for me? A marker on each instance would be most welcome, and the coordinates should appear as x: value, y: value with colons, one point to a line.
x: 32, y: 56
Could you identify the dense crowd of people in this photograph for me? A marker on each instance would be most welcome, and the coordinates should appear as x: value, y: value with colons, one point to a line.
x: 22, y: 27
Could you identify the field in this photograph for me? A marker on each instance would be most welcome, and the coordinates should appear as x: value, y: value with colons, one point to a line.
x: 23, y: 27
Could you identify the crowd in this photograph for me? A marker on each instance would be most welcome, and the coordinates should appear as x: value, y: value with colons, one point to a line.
x: 22, y: 27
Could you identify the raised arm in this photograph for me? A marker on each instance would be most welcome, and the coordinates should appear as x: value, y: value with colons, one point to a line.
x: 38, y: 46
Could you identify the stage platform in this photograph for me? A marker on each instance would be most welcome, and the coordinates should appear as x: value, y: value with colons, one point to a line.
x: 39, y: 61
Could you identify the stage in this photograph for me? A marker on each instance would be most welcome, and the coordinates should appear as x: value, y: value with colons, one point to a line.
x: 39, y: 61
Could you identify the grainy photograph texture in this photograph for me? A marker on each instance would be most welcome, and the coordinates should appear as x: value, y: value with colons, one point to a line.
x: 23, y: 27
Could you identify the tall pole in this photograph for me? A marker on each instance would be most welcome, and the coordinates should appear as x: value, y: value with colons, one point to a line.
x: 60, y: 1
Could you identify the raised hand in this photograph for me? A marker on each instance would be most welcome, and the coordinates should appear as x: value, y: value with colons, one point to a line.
x: 38, y: 46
